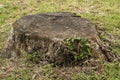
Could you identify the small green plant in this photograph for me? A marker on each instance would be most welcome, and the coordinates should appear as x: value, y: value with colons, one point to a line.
x: 102, y: 37
x: 33, y: 57
x: 79, y: 47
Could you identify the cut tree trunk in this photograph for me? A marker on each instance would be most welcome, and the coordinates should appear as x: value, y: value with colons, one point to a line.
x: 50, y: 34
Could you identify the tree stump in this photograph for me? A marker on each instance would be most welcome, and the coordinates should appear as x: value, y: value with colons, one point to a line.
x: 60, y: 37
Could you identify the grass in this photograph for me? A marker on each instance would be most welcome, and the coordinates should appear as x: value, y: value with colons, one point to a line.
x: 24, y: 74
x: 112, y: 72
x: 105, y: 12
